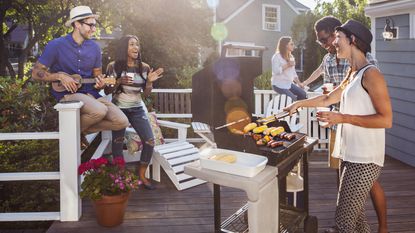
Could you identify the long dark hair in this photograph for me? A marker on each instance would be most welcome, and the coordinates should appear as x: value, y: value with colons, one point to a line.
x: 121, y: 57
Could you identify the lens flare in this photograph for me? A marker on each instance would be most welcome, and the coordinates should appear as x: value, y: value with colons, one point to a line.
x: 235, y: 103
x: 231, y: 88
x: 219, y: 32
x: 226, y: 69
x: 239, y: 115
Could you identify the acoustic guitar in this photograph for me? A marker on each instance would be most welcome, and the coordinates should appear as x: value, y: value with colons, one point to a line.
x: 58, y: 87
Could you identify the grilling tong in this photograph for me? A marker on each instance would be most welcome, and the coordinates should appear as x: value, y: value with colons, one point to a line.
x: 272, y: 118
x: 264, y: 120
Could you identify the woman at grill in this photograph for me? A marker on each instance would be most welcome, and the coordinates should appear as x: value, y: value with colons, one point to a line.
x: 365, y: 112
x: 133, y: 78
x: 283, y: 70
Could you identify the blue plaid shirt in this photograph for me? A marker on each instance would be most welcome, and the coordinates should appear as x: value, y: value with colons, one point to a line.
x: 335, y: 72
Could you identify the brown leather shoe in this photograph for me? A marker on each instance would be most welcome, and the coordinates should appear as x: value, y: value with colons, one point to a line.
x: 332, y: 230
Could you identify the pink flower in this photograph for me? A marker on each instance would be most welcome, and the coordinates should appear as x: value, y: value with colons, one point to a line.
x: 109, y: 176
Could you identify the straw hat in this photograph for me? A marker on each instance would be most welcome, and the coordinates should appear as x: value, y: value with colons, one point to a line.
x: 78, y: 13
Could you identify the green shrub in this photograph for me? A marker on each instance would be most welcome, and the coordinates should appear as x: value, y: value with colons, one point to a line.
x: 263, y: 82
x: 26, y: 106
x: 184, y: 76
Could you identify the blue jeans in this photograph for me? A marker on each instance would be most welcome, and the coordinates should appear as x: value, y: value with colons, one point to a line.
x: 139, y: 121
x: 295, y: 92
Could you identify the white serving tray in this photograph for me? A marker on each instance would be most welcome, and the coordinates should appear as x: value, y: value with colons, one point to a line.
x: 247, y: 165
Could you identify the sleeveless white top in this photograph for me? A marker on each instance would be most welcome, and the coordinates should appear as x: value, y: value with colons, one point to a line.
x: 354, y: 143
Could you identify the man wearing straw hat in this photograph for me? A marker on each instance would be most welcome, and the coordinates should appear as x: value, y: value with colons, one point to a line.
x: 76, y: 53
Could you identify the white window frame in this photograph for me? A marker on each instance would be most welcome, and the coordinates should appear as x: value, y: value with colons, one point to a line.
x: 412, y: 25
x: 278, y: 24
x: 241, y: 52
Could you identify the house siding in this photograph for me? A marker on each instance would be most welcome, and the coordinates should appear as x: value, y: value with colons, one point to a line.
x: 397, y: 63
x: 247, y: 27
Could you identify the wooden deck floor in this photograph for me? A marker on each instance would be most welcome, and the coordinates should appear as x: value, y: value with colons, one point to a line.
x: 169, y: 210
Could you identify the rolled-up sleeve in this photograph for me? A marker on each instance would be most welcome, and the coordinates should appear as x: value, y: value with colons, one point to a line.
x: 276, y: 65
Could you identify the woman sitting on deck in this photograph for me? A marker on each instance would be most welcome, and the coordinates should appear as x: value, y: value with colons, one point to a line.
x: 365, y: 112
x: 133, y: 77
x: 283, y: 70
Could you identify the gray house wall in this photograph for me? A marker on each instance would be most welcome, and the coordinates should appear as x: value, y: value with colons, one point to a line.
x: 247, y: 27
x: 397, y: 62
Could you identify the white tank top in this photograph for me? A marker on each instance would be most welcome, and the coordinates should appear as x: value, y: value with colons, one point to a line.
x: 354, y: 143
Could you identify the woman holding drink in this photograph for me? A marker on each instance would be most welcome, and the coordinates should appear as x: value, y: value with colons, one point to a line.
x: 283, y: 70
x: 365, y: 112
x: 133, y: 77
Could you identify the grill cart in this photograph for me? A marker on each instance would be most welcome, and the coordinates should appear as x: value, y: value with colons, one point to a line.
x: 281, y: 160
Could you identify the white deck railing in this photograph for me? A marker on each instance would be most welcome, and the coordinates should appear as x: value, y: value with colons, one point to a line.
x: 176, y: 104
x: 69, y: 160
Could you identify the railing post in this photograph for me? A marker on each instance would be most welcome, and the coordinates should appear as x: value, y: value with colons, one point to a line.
x: 304, y: 119
x: 69, y: 160
x: 107, y: 135
x: 258, y: 106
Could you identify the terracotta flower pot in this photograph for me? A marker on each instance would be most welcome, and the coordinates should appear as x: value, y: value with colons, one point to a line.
x: 110, y: 210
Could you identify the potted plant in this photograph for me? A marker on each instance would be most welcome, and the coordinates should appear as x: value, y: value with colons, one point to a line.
x: 108, y: 184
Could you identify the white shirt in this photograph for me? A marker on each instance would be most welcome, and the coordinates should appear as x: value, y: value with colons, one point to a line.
x: 281, y: 78
x: 354, y: 143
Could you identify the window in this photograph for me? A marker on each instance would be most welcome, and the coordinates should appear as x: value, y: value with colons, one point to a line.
x: 298, y: 54
x: 271, y: 17
x: 242, y: 49
x: 241, y: 52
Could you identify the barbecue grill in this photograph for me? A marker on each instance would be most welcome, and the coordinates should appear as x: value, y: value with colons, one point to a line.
x: 222, y: 87
x: 284, y: 158
x: 213, y: 101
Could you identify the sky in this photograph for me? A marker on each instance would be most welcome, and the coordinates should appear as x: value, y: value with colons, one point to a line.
x: 311, y: 3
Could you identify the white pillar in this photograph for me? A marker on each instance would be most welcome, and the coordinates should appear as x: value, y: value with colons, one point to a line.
x: 69, y: 160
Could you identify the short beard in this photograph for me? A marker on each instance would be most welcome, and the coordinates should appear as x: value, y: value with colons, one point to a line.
x: 85, y: 36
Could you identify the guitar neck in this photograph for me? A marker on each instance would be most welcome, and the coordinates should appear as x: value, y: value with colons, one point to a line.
x: 87, y: 80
